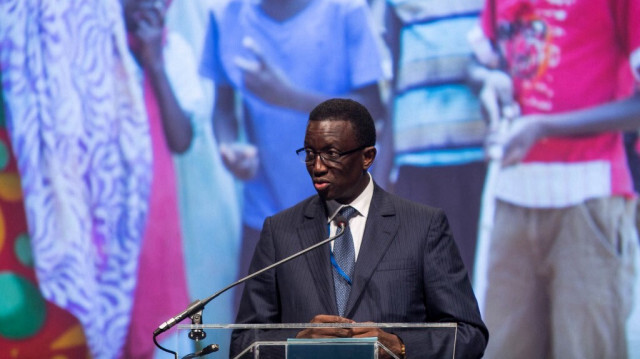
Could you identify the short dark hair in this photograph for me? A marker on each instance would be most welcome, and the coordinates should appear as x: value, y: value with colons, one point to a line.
x: 340, y: 109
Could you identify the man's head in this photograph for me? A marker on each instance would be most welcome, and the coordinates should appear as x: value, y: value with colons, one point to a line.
x: 339, y: 147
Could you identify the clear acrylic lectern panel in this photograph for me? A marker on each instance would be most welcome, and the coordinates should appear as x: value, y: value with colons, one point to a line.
x: 262, y: 341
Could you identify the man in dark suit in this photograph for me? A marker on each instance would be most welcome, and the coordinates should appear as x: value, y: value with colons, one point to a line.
x: 396, y: 261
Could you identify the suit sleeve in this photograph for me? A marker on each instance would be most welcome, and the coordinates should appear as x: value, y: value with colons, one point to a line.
x: 448, y: 298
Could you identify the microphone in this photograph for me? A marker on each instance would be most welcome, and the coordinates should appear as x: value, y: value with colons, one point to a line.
x: 341, y: 223
x: 198, y: 305
x: 206, y: 350
x: 193, y: 308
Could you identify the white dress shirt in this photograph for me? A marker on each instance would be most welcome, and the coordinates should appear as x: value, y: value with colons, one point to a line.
x: 358, y: 221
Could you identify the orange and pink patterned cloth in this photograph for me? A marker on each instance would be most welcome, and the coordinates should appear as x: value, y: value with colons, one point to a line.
x: 83, y: 144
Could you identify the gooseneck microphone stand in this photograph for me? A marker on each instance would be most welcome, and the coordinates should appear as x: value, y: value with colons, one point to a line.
x: 195, y: 308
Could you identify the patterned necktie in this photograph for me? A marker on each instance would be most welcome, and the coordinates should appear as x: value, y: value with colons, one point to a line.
x: 343, y: 260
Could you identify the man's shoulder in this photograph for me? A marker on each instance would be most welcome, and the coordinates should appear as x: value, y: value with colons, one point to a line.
x: 403, y: 204
x: 386, y: 200
x: 298, y: 209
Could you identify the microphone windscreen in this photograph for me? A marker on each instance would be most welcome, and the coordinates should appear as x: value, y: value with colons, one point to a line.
x: 340, y: 222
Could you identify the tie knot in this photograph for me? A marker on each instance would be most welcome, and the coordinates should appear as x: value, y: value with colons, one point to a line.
x: 347, y: 212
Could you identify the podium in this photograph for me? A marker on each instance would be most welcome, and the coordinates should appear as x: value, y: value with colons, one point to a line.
x: 262, y: 341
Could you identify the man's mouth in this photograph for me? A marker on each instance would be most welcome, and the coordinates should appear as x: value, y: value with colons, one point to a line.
x: 320, y: 185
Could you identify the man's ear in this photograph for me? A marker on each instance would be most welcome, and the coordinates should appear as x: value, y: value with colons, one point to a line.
x: 368, y: 155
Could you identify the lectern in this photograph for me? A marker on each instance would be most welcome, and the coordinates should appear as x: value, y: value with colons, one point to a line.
x: 262, y: 341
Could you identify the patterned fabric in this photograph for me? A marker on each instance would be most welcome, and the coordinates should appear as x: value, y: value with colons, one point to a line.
x: 345, y: 261
x: 81, y: 139
x: 29, y: 325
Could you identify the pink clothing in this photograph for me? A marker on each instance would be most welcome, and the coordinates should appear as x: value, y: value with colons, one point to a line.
x: 563, y: 243
x: 559, y: 69
x: 161, y: 290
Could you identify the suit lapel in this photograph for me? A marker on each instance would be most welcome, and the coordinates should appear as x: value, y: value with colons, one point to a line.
x: 312, y: 230
x: 379, y: 231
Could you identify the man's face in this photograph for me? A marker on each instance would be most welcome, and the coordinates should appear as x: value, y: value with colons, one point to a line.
x: 345, y: 179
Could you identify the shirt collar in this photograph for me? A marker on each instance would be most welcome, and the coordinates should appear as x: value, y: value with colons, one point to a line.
x: 361, y: 203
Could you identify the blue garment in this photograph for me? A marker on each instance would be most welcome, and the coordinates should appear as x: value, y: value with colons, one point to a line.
x: 209, y: 208
x: 328, y: 48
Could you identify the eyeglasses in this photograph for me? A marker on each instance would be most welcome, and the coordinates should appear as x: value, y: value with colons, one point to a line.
x: 308, y: 155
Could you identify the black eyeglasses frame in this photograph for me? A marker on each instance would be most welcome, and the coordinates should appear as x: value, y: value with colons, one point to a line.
x: 324, y: 160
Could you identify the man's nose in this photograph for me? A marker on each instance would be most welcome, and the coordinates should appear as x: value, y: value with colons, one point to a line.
x: 318, y: 164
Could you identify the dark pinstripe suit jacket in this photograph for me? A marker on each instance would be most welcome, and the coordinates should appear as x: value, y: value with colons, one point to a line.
x: 408, y: 270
